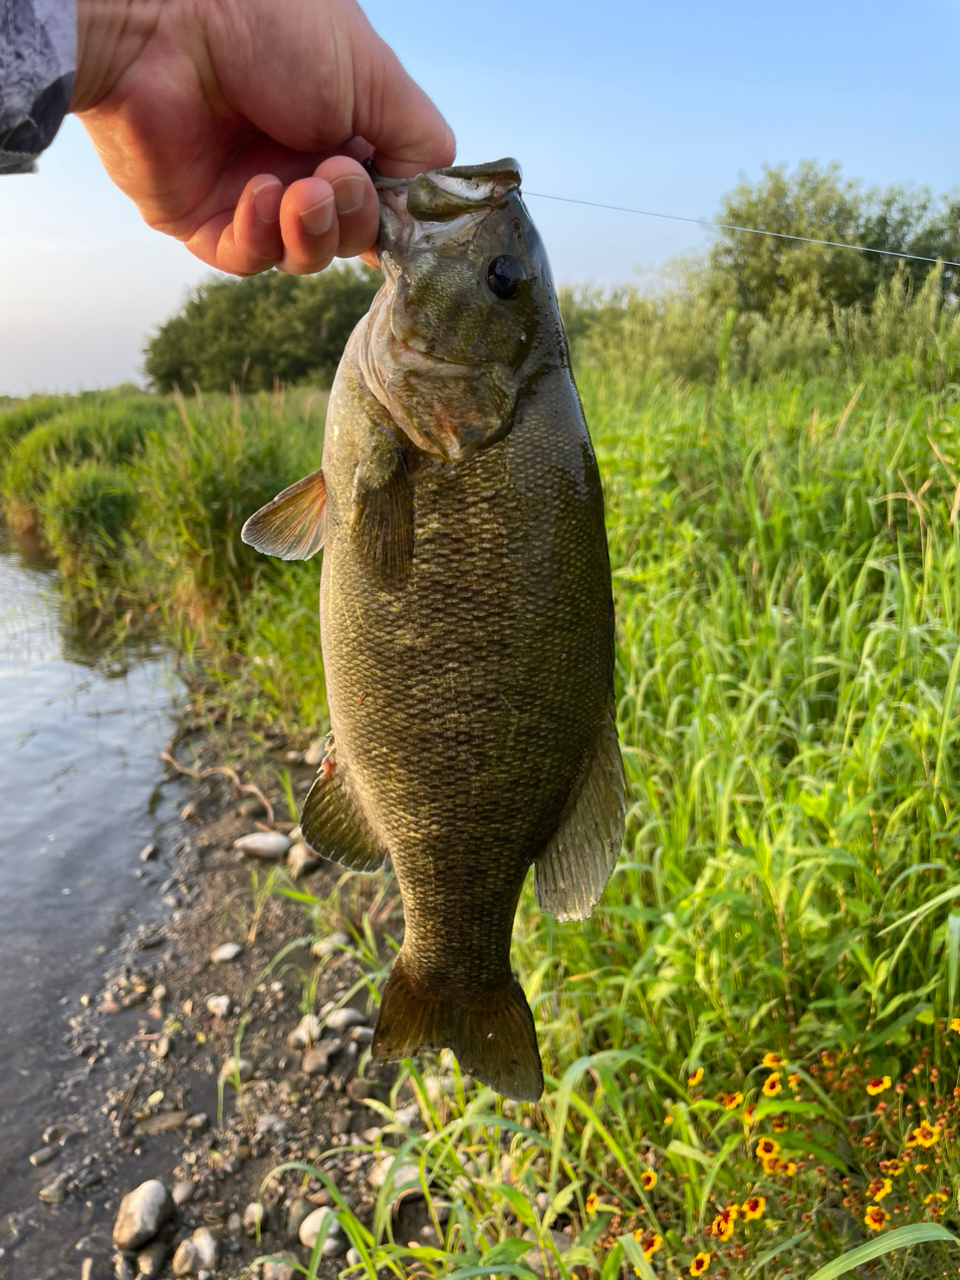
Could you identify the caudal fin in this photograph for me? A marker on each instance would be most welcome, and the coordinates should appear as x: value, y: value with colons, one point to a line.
x: 494, y: 1037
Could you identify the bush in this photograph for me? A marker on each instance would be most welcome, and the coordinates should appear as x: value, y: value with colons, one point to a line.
x: 85, y: 511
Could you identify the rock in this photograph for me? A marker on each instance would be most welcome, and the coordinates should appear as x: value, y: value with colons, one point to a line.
x: 315, y: 752
x: 362, y: 1035
x: 534, y: 1259
x: 237, y: 1068
x: 266, y: 846
x: 142, y: 1213
x: 183, y: 1192
x: 43, y: 1156
x: 162, y: 1122
x: 344, y: 1019
x: 151, y: 1260
x: 219, y: 1006
x: 317, y: 1224
x: 405, y: 1175
x: 316, y: 1061
x: 199, y: 1122
x: 225, y: 953
x: 281, y: 1267
x: 267, y: 1124
x: 336, y: 1243
x: 298, y: 1212
x: 330, y: 946
x: 306, y: 1033
x: 148, y: 853
x: 198, y: 1254
x: 123, y: 1267
x: 161, y: 1046
x: 234, y: 1224
x: 55, y: 1192
x: 254, y: 1217
x: 302, y: 860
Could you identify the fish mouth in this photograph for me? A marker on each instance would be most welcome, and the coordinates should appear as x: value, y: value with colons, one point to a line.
x: 441, y: 207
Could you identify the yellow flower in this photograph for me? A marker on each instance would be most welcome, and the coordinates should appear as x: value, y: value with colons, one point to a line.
x: 876, y: 1218
x: 781, y: 1124
x: 771, y: 1164
x: 879, y: 1188
x: 695, y: 1078
x: 955, y: 1024
x: 754, y: 1208
x: 722, y: 1227
x: 592, y: 1202
x: 878, y: 1085
x: 794, y: 1082
x: 732, y: 1101
x: 925, y: 1135
x: 654, y: 1244
x: 773, y: 1060
x: 921, y: 1168
x: 787, y: 1167
x: 766, y: 1147
x: 700, y: 1263
x: 936, y: 1195
x: 648, y: 1180
x: 772, y: 1085
x: 894, y: 1167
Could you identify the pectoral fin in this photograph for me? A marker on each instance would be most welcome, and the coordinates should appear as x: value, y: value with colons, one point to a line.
x: 382, y: 520
x: 573, y: 870
x: 334, y: 825
x: 292, y: 525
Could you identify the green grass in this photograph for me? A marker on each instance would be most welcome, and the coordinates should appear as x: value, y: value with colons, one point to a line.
x: 786, y: 564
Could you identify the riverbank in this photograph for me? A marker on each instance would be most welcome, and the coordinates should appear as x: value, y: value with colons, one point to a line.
x: 194, y: 1065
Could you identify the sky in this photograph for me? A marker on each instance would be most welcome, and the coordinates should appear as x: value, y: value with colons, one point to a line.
x: 654, y: 106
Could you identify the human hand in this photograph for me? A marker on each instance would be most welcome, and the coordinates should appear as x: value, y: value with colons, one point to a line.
x: 239, y: 126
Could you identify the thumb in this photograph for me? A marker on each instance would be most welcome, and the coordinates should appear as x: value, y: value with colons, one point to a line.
x: 406, y: 130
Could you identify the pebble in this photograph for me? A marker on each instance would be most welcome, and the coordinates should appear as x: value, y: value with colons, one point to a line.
x: 282, y: 1267
x: 123, y: 1268
x: 55, y: 1192
x: 302, y: 860
x: 237, y: 1067
x: 330, y: 946
x: 234, y: 1224
x: 162, y: 1122
x: 198, y: 1254
x: 362, y: 1035
x: 316, y: 1061
x: 151, y: 1260
x: 253, y: 1219
x: 225, y: 953
x: 43, y: 1156
x: 268, y: 1123
x: 353, y: 1257
x: 183, y: 1192
x: 267, y: 846
x: 306, y: 1033
x: 148, y: 853
x: 219, y: 1006
x: 199, y: 1122
x: 316, y: 1224
x: 298, y: 1212
x: 142, y: 1213
x: 405, y: 1174
x: 344, y: 1019
x: 315, y: 752
x: 161, y: 1047
x: 335, y: 1245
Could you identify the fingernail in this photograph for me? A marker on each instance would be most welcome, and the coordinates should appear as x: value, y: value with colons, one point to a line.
x: 349, y: 194
x: 318, y: 218
x: 266, y: 201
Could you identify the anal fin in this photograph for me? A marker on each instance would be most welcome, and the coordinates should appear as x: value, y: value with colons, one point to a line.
x: 334, y: 825
x: 573, y: 870
x: 493, y: 1036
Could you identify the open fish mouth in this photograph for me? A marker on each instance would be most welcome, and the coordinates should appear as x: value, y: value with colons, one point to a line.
x: 444, y: 206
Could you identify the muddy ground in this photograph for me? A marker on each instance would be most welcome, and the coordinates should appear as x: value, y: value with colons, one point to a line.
x: 140, y: 1095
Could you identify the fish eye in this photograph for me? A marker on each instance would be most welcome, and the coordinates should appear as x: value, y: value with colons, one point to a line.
x: 505, y: 276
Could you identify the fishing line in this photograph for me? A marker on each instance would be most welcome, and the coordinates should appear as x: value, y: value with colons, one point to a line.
x: 753, y: 231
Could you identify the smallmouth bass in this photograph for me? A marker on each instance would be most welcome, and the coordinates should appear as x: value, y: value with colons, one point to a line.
x: 466, y: 615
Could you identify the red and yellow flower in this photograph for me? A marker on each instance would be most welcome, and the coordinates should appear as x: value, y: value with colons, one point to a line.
x: 876, y: 1218
x: 650, y: 1243
x: 925, y: 1135
x: 879, y: 1188
x: 648, y: 1180
x: 694, y: 1078
x: 765, y: 1148
x: 772, y: 1085
x: 879, y: 1084
x: 773, y: 1059
x: 754, y: 1208
x: 700, y: 1264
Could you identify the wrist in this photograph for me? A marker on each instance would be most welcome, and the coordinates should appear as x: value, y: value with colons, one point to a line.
x: 110, y: 36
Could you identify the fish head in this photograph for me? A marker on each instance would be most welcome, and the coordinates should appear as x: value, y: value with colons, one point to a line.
x: 467, y: 320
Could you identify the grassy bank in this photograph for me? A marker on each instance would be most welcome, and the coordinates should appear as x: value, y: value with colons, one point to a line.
x: 752, y: 1047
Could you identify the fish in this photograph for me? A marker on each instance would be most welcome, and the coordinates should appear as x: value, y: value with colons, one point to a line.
x: 466, y: 616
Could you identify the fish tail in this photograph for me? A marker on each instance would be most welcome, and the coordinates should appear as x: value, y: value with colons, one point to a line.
x: 494, y: 1038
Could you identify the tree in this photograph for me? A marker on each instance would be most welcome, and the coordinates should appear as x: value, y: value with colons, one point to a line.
x: 254, y: 331
x: 775, y: 277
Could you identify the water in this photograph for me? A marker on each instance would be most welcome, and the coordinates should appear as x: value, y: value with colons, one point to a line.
x: 79, y: 798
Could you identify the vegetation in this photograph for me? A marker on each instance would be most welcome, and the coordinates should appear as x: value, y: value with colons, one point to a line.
x: 252, y: 333
x: 753, y: 1047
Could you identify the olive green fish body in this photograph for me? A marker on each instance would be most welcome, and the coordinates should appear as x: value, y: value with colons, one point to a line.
x: 467, y: 630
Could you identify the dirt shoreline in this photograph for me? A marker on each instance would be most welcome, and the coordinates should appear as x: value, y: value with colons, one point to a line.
x: 144, y: 1101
